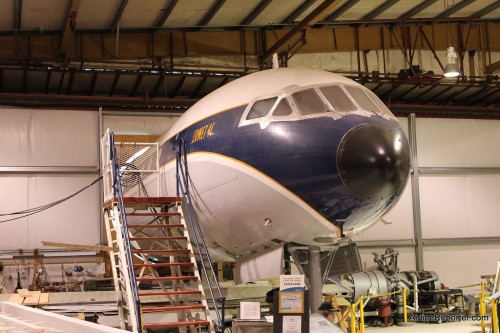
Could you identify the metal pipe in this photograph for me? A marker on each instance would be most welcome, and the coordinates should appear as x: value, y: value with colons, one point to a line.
x: 417, y: 223
x: 427, y: 280
x: 457, y: 171
x: 415, y: 291
x: 50, y: 170
x: 315, y: 278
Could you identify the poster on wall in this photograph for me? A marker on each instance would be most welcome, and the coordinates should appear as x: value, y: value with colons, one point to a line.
x: 291, y: 302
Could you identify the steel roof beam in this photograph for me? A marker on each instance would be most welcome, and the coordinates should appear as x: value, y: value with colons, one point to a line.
x: 487, y: 9
x: 92, y: 84
x: 256, y: 12
x: 312, y: 18
x: 18, y: 9
x: 178, y: 87
x: 421, y: 94
x: 158, y: 84
x: 297, y: 12
x: 211, y: 13
x: 341, y: 10
x: 198, y: 87
x: 492, y: 68
x: 118, y: 15
x: 439, y: 93
x: 415, y: 10
x: 69, y: 28
x: 380, y: 9
x: 115, y: 83
x: 452, y: 10
x: 137, y: 82
x: 166, y: 13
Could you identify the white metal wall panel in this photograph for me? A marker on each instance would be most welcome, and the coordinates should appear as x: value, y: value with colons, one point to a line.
x: 74, y: 221
x: 14, y: 137
x: 14, y: 198
x: 458, y: 142
x: 459, y: 266
x: 63, y: 138
x: 460, y: 206
x: 138, y: 125
x: 48, y: 138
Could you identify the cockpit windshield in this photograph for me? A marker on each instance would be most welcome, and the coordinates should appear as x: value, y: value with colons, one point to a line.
x: 335, y: 100
x: 309, y: 102
x: 283, y: 109
x: 261, y: 108
x: 379, y: 103
x: 363, y: 100
x: 338, y: 99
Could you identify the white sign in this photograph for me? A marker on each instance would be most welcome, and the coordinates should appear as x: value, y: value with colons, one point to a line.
x: 249, y: 310
x: 292, y: 324
x: 292, y: 283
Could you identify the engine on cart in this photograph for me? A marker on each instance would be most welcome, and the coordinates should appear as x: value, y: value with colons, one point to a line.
x: 424, y: 290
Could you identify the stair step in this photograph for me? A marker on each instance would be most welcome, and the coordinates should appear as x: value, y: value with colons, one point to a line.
x: 143, y: 226
x: 165, y: 264
x: 159, y: 238
x: 172, y: 308
x: 171, y: 293
x: 149, y: 200
x: 172, y: 252
x: 167, y: 278
x: 175, y: 324
x: 154, y: 214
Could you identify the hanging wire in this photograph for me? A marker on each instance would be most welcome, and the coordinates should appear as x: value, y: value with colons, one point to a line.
x: 448, y: 24
x: 32, y: 211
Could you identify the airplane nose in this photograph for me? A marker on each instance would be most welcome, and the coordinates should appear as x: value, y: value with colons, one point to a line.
x: 373, y: 161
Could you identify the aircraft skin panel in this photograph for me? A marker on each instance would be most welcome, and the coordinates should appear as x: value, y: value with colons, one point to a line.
x: 245, y: 89
x: 254, y: 197
x: 313, y: 172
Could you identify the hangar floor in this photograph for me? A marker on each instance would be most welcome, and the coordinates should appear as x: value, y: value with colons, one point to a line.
x: 462, y: 327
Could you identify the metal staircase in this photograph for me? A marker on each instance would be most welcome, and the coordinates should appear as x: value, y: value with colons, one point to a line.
x: 154, y: 266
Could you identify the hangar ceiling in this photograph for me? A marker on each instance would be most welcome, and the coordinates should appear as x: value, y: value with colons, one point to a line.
x: 166, y: 54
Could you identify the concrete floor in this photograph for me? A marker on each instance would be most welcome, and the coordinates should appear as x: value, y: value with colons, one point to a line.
x: 450, y: 327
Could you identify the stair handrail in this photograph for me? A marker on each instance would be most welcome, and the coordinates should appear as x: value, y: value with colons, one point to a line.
x: 182, y: 176
x: 118, y: 193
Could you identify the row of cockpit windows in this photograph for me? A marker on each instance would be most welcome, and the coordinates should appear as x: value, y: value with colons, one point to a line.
x: 309, y: 102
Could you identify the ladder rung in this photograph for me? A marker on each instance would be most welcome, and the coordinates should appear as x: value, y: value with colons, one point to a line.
x: 158, y: 238
x: 142, y: 226
x: 167, y: 278
x: 178, y: 323
x: 173, y: 308
x: 173, y: 251
x: 165, y: 264
x: 149, y: 200
x: 155, y: 214
x: 173, y: 292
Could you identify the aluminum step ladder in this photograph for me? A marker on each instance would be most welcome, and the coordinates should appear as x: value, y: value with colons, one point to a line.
x: 164, y: 273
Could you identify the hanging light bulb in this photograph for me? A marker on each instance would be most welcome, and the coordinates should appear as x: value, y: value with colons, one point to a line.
x: 451, y: 68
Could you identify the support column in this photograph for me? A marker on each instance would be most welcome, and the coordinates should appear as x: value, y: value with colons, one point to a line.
x: 315, y: 278
x: 417, y: 223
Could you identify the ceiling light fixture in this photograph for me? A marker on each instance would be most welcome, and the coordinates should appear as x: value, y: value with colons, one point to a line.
x: 451, y: 68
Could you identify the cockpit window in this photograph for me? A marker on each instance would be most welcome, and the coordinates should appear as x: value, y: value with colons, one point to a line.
x: 261, y: 108
x: 338, y: 98
x: 283, y: 109
x: 309, y: 102
x: 379, y: 103
x: 363, y: 100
